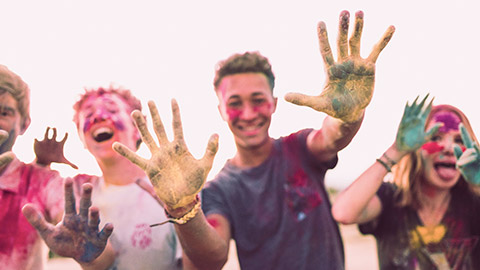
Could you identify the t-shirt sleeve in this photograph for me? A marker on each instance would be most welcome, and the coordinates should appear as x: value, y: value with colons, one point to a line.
x: 310, y: 158
x: 386, y: 195
x: 52, y: 193
x: 213, y: 201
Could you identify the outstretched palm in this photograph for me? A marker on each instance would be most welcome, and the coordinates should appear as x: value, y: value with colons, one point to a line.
x: 468, y: 162
x: 77, y: 236
x: 411, y: 133
x: 50, y: 150
x: 350, y: 81
x: 176, y: 175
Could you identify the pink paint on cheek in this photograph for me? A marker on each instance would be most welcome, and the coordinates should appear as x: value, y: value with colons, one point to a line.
x: 233, y: 114
x: 87, y: 125
x: 432, y: 147
x: 263, y: 108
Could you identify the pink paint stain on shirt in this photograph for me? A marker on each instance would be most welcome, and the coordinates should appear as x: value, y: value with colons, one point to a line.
x: 432, y: 147
x: 142, y: 236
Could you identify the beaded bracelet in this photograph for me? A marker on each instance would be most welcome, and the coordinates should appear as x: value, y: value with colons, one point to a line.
x: 181, y: 220
x: 390, y: 161
x: 384, y: 165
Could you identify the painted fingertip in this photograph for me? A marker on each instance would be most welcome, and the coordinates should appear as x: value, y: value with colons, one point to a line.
x: 457, y: 151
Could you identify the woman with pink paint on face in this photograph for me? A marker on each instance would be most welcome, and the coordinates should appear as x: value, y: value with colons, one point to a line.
x: 427, y: 218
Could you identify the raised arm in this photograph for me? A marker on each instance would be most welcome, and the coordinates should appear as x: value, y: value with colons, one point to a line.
x: 77, y: 235
x: 348, y: 88
x: 177, y: 178
x: 358, y: 203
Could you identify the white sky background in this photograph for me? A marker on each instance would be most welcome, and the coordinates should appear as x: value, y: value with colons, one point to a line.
x: 165, y: 49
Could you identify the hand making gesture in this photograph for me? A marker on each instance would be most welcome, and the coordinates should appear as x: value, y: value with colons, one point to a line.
x: 8, y: 156
x: 77, y: 235
x: 411, y: 133
x: 176, y: 175
x: 468, y: 161
x: 350, y: 80
x: 50, y: 150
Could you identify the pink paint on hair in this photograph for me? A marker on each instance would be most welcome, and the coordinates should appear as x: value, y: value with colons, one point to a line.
x: 432, y: 147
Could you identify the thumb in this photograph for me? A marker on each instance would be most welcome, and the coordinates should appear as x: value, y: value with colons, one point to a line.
x: 457, y: 151
x: 318, y: 103
x: 432, y: 131
x: 35, y: 218
x: 211, y: 151
x: 6, y: 158
x: 66, y: 161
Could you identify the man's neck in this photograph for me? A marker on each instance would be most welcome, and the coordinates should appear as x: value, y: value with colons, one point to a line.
x: 120, y: 171
x: 252, y: 157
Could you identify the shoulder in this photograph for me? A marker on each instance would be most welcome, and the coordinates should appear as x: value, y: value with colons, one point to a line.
x: 41, y: 176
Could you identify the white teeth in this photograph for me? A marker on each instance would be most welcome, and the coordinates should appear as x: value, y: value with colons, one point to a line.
x: 102, y: 130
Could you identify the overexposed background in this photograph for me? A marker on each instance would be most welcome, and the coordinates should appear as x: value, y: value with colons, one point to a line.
x: 168, y: 49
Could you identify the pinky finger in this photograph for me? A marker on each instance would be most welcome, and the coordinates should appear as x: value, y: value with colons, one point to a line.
x: 105, y: 232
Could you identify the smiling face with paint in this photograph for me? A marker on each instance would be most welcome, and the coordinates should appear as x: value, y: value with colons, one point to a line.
x: 104, y: 119
x: 438, y: 155
x: 246, y: 103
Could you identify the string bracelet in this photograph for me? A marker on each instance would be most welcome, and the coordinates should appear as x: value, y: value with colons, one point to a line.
x: 184, y: 219
x: 384, y: 165
x: 390, y: 161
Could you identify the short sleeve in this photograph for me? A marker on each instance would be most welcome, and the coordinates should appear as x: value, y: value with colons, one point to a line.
x: 52, y: 192
x: 386, y: 195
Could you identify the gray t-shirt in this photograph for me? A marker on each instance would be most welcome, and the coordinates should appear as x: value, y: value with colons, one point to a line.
x: 279, y: 211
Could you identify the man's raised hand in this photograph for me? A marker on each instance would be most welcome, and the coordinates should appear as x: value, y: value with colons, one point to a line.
x: 176, y: 175
x: 350, y: 81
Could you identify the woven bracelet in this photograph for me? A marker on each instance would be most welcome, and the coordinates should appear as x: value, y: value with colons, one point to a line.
x: 181, y: 220
x: 384, y: 165
x: 390, y: 161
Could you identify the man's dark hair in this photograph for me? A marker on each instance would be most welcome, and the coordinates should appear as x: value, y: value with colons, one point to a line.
x: 247, y: 62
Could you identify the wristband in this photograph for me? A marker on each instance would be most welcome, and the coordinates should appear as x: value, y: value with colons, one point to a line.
x: 384, y: 165
x: 390, y: 161
x: 181, y: 220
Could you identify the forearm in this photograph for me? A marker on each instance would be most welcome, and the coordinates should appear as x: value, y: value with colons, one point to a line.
x: 358, y: 203
x: 333, y: 136
x: 202, y: 244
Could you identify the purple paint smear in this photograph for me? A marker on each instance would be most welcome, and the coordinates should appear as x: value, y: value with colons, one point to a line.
x: 449, y: 119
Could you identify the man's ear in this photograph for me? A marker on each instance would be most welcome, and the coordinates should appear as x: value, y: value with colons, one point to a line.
x: 25, y: 125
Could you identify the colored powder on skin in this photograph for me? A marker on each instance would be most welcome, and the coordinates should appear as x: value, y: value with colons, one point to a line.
x: 233, y: 113
x: 90, y: 121
x: 449, y: 119
x: 432, y: 147
x: 213, y: 222
x: 265, y: 107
